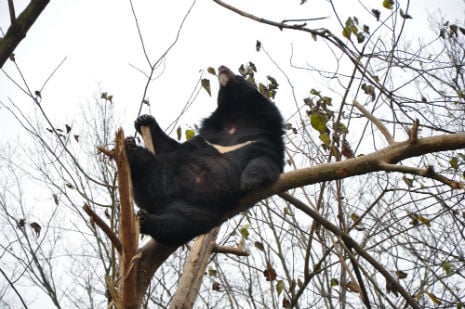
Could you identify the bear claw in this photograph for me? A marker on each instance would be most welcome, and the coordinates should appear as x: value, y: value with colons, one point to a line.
x: 144, y: 120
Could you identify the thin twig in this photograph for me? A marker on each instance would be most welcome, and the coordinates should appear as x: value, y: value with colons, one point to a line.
x: 353, y: 244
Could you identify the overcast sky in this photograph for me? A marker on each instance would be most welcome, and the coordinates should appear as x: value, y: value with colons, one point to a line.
x: 100, y: 42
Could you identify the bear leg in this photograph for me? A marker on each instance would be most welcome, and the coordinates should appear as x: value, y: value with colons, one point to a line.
x: 258, y: 172
x: 178, y: 225
x: 162, y: 142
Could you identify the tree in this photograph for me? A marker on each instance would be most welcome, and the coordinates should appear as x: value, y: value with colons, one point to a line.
x: 369, y: 210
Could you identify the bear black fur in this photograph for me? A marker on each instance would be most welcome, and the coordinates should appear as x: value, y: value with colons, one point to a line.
x: 186, y: 188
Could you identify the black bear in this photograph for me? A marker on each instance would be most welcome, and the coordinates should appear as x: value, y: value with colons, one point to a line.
x: 187, y: 188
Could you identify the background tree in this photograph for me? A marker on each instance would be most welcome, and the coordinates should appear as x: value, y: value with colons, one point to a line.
x: 373, y: 211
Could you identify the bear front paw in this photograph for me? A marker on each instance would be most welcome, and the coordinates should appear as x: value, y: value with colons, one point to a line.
x: 144, y: 121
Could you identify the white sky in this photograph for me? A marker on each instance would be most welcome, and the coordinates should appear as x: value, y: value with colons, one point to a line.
x: 99, y: 40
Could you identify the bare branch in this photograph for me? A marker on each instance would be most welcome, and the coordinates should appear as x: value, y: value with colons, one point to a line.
x: 349, y: 241
x: 230, y: 250
x: 424, y: 172
x: 375, y: 121
x: 105, y: 228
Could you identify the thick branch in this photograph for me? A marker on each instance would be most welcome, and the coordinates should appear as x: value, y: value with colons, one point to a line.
x: 375, y: 121
x: 194, y: 270
x: 128, y: 231
x: 18, y: 29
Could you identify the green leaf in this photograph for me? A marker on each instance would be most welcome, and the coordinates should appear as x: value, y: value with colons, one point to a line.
x: 342, y: 128
x: 434, y: 299
x: 448, y: 268
x: 334, y: 282
x: 279, y: 287
x: 211, y: 70
x: 327, y: 100
x: 178, y: 133
x: 244, y: 230
x: 325, y: 138
x: 454, y: 163
x: 346, y: 32
x: 318, y: 122
x: 206, y: 85
x: 355, y: 218
x: 314, y: 92
x: 424, y: 220
x: 212, y: 272
x: 388, y: 4
x: 262, y: 88
x: 189, y: 134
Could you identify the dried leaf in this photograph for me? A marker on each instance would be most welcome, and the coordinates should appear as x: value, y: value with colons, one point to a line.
x: 36, y: 227
x: 353, y: 287
x: 400, y: 274
x: 206, y: 85
x: 269, y: 272
x: 259, y: 246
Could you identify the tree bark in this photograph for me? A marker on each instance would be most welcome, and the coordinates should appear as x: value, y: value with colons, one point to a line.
x: 128, y: 231
x: 19, y: 27
x: 194, y: 270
